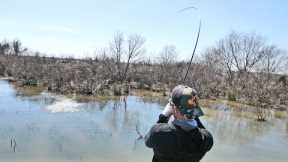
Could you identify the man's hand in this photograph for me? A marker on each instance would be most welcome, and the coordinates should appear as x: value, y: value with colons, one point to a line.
x: 166, y: 113
x: 168, y: 110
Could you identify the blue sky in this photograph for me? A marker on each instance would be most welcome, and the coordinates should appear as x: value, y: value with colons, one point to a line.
x: 77, y: 28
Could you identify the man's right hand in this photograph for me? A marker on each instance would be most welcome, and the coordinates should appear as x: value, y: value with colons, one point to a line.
x: 166, y: 113
x: 168, y: 110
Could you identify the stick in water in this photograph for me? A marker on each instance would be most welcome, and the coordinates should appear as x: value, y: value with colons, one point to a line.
x: 138, y: 132
x: 15, y: 144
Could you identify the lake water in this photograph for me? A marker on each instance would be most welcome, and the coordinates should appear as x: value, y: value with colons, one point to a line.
x: 54, y: 128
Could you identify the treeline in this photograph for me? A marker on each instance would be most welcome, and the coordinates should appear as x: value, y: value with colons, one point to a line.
x: 241, y: 67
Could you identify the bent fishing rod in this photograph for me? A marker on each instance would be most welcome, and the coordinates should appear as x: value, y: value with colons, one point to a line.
x: 193, y: 53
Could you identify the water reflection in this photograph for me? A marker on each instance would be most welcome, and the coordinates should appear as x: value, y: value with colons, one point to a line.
x: 231, y: 129
x: 111, y: 130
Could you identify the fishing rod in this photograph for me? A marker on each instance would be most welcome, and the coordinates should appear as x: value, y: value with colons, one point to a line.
x: 193, y: 53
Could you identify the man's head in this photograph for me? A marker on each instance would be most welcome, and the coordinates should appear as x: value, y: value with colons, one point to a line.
x: 185, y: 101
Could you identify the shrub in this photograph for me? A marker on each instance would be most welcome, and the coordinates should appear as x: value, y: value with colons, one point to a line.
x: 231, y: 96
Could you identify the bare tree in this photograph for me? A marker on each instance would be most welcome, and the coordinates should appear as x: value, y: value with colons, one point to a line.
x: 273, y: 61
x: 168, y: 55
x: 265, y: 88
x: 227, y: 61
x: 4, y: 48
x: 17, y: 48
x: 286, y: 65
x: 210, y: 73
x: 167, y: 61
x: 108, y: 68
x: 135, y: 49
x: 246, y: 50
x: 241, y: 52
x: 117, y: 50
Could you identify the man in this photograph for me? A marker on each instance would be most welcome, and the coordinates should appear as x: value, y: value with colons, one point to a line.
x: 183, y: 138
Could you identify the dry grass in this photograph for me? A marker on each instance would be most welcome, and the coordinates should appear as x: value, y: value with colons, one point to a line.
x: 280, y: 114
x: 28, y: 90
x: 231, y: 104
x: 142, y: 92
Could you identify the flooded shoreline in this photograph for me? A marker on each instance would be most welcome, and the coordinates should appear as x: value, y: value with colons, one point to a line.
x: 49, y: 127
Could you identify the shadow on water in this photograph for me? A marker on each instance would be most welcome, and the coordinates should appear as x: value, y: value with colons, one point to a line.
x: 111, y: 130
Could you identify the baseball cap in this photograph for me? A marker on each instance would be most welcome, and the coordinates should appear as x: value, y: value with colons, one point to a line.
x: 180, y: 96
